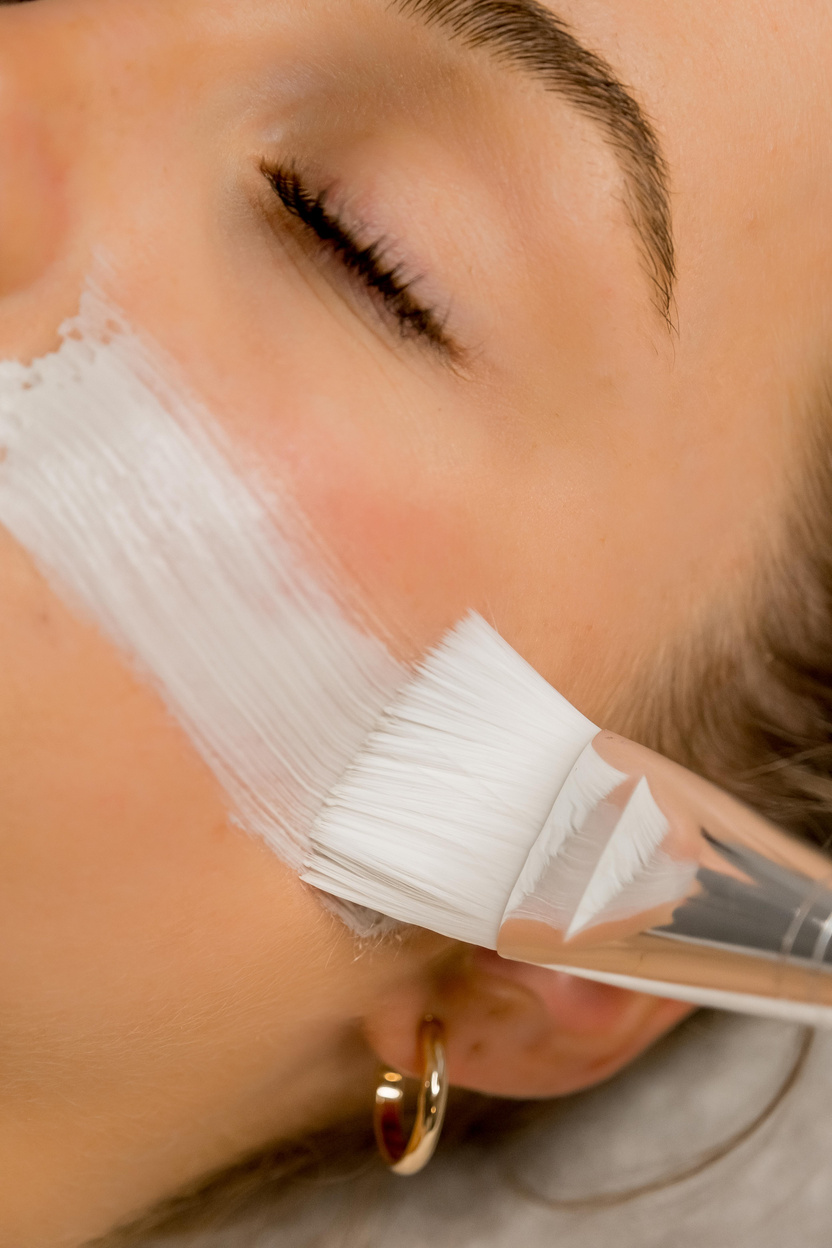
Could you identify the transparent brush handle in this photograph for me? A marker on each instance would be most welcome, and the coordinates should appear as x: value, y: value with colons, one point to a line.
x: 647, y: 875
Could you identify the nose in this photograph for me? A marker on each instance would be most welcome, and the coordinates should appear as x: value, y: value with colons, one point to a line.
x: 30, y: 192
x: 31, y: 209
x: 34, y: 111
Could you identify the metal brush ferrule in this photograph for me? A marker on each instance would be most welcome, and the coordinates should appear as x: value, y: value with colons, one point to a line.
x: 647, y: 874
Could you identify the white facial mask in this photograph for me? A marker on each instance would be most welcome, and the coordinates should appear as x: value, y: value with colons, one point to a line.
x: 120, y: 485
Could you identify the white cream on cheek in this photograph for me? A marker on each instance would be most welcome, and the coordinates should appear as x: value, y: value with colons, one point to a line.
x: 120, y: 486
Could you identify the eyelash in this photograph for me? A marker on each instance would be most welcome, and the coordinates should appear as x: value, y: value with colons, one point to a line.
x: 367, y: 264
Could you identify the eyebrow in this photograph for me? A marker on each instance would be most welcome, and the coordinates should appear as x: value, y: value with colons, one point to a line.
x: 527, y: 36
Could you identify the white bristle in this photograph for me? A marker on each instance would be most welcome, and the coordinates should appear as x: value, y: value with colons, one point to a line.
x: 433, y: 822
x: 629, y: 852
x: 633, y: 872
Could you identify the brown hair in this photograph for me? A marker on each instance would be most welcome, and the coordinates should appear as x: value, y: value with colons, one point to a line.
x: 750, y: 705
x: 283, y: 1178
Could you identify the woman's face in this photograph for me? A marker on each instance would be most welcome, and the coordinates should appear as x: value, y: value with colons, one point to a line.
x: 478, y: 391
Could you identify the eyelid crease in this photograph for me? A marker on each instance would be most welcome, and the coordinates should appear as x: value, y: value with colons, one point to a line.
x: 367, y: 263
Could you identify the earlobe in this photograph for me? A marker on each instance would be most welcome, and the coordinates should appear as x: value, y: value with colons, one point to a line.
x: 523, y: 1031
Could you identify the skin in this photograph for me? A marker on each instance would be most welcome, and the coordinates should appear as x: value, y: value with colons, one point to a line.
x: 595, y: 484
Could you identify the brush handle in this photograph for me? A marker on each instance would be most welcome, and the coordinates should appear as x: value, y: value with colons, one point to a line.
x: 647, y: 876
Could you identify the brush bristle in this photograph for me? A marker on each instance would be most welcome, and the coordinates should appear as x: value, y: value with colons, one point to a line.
x: 434, y: 820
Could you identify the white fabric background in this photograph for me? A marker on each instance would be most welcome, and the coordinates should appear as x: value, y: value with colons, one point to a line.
x: 696, y: 1089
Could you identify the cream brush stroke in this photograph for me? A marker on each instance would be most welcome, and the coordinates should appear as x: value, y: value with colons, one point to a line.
x: 119, y: 484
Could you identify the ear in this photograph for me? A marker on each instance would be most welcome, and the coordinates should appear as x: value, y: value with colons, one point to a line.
x: 517, y: 1030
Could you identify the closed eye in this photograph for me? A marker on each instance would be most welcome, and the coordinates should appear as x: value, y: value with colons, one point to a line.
x: 367, y: 263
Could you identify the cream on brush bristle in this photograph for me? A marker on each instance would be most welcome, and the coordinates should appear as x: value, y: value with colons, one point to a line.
x: 435, y: 818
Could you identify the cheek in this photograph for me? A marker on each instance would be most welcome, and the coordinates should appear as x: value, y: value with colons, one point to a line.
x: 390, y: 494
x: 126, y: 899
x: 403, y: 535
x: 396, y: 476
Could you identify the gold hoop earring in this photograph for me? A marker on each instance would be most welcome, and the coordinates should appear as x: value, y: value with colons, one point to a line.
x: 409, y: 1156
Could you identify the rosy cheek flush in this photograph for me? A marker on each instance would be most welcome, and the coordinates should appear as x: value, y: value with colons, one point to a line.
x: 465, y: 795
